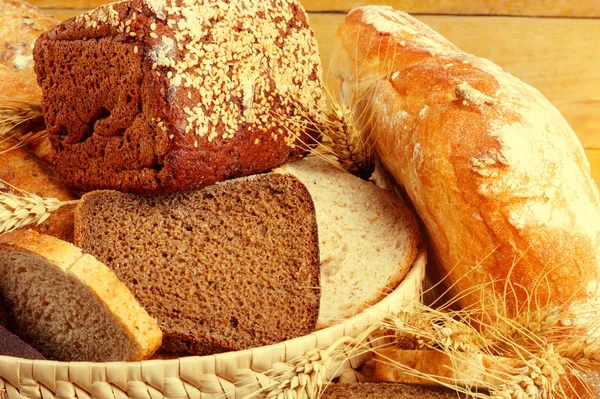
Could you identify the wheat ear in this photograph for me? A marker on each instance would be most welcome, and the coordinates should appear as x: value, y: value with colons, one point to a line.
x: 538, y: 378
x: 305, y: 376
x: 25, y: 209
x: 14, y: 114
x: 346, y: 140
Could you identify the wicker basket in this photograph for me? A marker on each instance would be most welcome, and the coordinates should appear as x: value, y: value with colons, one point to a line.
x: 226, y: 375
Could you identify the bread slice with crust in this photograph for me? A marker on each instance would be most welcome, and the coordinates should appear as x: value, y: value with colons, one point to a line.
x: 368, y: 238
x: 232, y: 266
x: 68, y: 305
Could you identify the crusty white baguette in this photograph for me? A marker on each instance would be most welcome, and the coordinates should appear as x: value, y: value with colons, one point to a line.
x: 68, y: 305
x: 496, y: 174
x: 368, y: 238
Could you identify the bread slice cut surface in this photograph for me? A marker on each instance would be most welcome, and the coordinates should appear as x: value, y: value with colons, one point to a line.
x: 68, y: 305
x: 228, y: 267
x: 368, y: 238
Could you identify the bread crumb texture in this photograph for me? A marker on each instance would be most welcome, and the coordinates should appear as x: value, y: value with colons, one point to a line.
x: 154, y: 96
x: 229, y: 267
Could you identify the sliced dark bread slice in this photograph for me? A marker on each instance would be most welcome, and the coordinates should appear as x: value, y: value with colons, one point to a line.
x: 228, y: 267
x: 69, y: 306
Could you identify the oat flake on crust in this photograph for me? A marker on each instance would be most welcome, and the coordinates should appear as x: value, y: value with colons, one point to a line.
x: 237, y: 61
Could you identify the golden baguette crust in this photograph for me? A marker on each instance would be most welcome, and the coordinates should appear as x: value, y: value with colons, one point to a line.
x: 496, y: 174
x: 21, y: 26
x: 476, y: 369
x: 24, y: 170
x: 120, y: 312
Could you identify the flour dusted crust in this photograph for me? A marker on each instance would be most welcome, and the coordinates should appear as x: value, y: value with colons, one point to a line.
x: 494, y: 171
x: 21, y: 26
x: 155, y: 96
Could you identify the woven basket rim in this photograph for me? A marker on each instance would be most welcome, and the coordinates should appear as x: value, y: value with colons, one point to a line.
x: 231, y: 375
x: 413, y: 273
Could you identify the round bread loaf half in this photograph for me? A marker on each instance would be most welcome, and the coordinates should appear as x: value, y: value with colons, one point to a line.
x: 498, y: 177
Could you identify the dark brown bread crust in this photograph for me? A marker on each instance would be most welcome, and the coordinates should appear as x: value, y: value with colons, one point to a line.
x: 386, y: 391
x: 140, y: 99
x: 11, y: 345
x: 232, y: 266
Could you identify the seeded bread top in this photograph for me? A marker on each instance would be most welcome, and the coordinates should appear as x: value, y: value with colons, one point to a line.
x: 152, y: 96
x: 226, y: 61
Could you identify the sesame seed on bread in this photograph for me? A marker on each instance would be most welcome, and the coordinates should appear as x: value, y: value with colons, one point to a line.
x: 153, y: 96
x: 232, y: 266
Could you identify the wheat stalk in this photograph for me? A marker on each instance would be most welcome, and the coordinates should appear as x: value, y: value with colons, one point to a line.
x: 305, y: 376
x: 539, y: 378
x: 17, y: 211
x: 347, y: 141
x: 14, y: 114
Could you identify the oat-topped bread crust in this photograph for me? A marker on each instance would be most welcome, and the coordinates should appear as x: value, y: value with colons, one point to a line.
x: 232, y: 266
x: 161, y: 95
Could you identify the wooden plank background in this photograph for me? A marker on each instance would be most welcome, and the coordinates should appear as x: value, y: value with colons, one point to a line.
x: 553, y: 45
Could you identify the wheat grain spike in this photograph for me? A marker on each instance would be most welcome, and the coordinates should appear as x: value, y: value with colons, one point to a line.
x: 15, y: 114
x: 24, y: 209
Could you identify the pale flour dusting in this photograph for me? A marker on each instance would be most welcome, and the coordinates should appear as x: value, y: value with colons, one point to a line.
x: 157, y: 7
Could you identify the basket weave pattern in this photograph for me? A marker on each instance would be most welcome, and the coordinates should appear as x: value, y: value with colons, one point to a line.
x: 232, y: 375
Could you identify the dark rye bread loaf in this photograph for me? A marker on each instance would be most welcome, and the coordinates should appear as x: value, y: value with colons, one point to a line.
x: 150, y: 96
x: 232, y: 266
x: 369, y: 390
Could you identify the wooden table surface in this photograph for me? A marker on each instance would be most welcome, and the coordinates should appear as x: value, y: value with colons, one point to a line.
x: 554, y: 45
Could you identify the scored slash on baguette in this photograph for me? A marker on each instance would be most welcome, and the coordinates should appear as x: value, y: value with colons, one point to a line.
x: 70, y: 306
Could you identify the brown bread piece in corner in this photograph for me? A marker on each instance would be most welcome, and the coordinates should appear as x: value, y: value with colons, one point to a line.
x: 160, y: 96
x: 12, y: 345
x: 232, y: 266
x: 369, y: 390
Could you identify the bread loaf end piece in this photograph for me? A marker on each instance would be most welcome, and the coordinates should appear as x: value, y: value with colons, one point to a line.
x: 494, y: 171
x: 68, y: 305
x: 370, y: 390
x: 232, y: 266
x: 159, y: 96
x: 12, y: 345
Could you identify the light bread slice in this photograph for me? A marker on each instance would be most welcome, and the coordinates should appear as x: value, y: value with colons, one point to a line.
x: 68, y: 305
x: 368, y: 238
